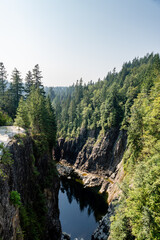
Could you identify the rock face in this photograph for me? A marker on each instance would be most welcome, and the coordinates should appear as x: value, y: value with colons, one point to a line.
x: 102, y: 231
x: 27, y: 175
x: 97, y: 163
x: 93, y: 155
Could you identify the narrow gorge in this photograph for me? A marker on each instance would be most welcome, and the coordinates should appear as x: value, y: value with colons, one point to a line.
x: 32, y: 177
x: 96, y: 163
x: 82, y: 162
x: 100, y: 158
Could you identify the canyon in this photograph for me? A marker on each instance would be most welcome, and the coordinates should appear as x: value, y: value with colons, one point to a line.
x: 96, y: 162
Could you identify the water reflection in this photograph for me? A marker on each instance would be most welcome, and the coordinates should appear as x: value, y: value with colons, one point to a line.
x: 85, y: 198
x: 80, y: 209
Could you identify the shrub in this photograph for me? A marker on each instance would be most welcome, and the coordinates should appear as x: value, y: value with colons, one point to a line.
x: 15, y: 198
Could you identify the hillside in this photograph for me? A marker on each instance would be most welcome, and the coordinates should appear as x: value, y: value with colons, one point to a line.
x: 117, y: 120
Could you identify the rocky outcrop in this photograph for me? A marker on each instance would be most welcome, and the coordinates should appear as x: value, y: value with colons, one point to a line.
x: 103, y: 230
x: 104, y: 154
x: 28, y: 176
x: 69, y: 149
x: 97, y: 162
x: 65, y: 236
x: 89, y: 154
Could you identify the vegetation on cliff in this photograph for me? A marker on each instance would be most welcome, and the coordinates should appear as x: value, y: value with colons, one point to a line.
x: 27, y: 105
x: 127, y: 100
x: 138, y: 214
x: 106, y: 103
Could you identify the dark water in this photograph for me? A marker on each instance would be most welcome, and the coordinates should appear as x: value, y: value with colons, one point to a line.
x: 80, y: 209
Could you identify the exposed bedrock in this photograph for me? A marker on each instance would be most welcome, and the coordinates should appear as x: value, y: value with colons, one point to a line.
x: 97, y: 162
x: 88, y: 153
x: 27, y: 175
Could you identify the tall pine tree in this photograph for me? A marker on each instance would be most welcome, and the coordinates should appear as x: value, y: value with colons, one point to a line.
x: 3, y: 85
x: 16, y: 87
x: 51, y: 126
x: 28, y: 83
x: 37, y: 78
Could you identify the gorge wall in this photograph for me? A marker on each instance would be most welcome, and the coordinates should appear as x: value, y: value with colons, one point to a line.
x: 97, y: 161
x: 34, y: 179
x: 96, y: 155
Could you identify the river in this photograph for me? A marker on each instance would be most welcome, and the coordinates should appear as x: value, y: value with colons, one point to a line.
x: 80, y: 209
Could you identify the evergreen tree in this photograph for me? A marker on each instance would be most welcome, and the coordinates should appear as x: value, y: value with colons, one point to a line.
x: 50, y: 123
x: 3, y: 85
x: 16, y: 88
x: 36, y: 114
x: 21, y: 119
x: 51, y: 93
x: 28, y: 83
x: 37, y: 78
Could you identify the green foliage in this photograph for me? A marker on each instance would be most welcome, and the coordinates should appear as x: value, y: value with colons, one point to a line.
x: 15, y: 198
x: 37, y: 115
x: 28, y: 83
x: 50, y: 125
x: 140, y: 202
x: 106, y: 103
x: 127, y: 100
x: 16, y: 89
x: 11, y: 92
x: 5, y: 119
x: 33, y: 217
x: 5, y: 160
x: 37, y: 79
x: 30, y: 223
x: 52, y: 172
x: 143, y: 202
x: 3, y: 85
x: 139, y: 207
x: 22, y: 115
x: 35, y: 170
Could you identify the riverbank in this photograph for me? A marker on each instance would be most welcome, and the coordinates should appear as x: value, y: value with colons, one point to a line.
x: 101, y: 183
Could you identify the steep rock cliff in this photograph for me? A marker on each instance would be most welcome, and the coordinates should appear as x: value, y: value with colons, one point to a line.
x: 92, y: 154
x: 28, y: 176
x: 97, y: 161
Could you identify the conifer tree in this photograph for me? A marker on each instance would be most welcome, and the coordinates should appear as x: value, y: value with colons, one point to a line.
x: 16, y: 87
x: 3, y: 85
x: 37, y: 78
x: 37, y: 114
x: 28, y: 83
x: 22, y: 115
x: 51, y: 123
x: 36, y: 106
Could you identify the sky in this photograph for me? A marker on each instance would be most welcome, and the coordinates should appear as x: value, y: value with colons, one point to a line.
x: 73, y: 39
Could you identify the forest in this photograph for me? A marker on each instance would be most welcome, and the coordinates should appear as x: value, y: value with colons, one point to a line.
x: 129, y: 100
x: 26, y: 105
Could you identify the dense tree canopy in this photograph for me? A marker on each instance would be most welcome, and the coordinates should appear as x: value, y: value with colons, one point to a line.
x: 106, y: 103
x: 37, y: 115
x: 26, y: 104
x: 127, y: 100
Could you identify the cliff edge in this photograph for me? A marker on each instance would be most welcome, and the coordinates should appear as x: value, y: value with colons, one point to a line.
x: 28, y: 189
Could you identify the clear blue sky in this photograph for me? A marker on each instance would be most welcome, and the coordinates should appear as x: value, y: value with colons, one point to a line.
x: 71, y: 39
